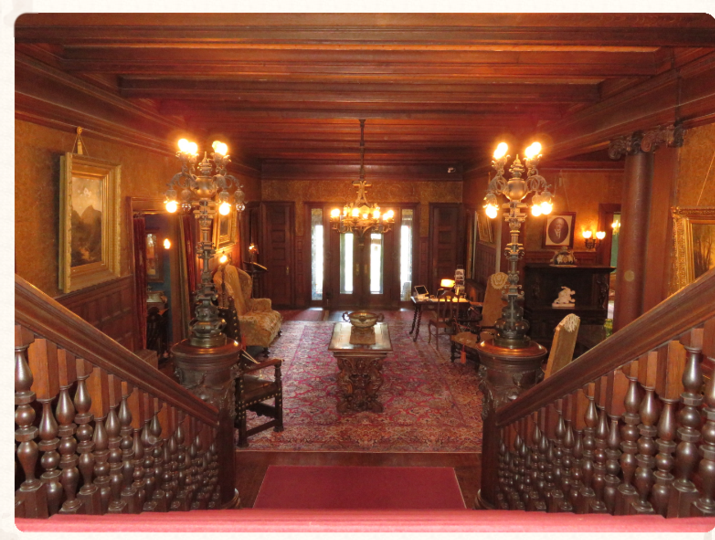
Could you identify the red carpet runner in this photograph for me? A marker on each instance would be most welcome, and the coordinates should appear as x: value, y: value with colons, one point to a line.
x: 360, y: 488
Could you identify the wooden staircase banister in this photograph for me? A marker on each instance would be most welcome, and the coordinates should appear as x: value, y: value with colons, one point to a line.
x: 682, y: 311
x: 46, y: 317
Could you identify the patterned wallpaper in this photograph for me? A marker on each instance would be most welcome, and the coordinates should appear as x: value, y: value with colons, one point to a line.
x: 342, y: 191
x: 696, y: 161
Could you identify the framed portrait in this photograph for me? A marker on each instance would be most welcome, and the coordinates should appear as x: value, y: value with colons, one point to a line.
x: 224, y: 234
x: 89, y: 221
x: 694, y: 239
x: 484, y: 228
x: 154, y: 257
x: 558, y: 230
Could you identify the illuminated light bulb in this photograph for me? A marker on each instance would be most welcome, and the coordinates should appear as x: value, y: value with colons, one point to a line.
x: 376, y: 214
x: 171, y: 206
x: 223, y: 259
x: 502, y: 149
x: 533, y: 150
x: 491, y: 211
x: 601, y: 235
x: 356, y: 212
x: 224, y: 208
x: 546, y: 208
x: 335, y: 213
x: 220, y: 148
x: 184, y: 146
x: 167, y: 243
x: 364, y: 216
x: 587, y: 234
x: 193, y: 148
x: 536, y: 210
x: 389, y: 214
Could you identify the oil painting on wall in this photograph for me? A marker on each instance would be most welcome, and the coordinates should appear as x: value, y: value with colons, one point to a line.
x: 89, y: 221
x: 694, y: 237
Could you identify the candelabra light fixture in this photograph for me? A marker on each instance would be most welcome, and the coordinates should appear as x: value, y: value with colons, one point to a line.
x: 590, y: 241
x: 205, y: 192
x: 511, y: 327
x: 361, y: 216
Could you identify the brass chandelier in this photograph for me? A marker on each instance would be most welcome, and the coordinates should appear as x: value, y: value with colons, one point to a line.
x: 361, y: 216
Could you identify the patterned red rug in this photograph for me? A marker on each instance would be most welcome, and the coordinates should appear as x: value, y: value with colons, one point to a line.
x: 431, y: 404
x: 360, y: 488
x: 302, y: 314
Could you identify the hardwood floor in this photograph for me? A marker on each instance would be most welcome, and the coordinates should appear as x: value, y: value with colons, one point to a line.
x: 252, y: 467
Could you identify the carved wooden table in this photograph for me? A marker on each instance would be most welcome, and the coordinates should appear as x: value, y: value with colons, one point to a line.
x: 360, y: 366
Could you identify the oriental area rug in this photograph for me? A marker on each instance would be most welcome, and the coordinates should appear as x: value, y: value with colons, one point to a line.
x: 430, y: 404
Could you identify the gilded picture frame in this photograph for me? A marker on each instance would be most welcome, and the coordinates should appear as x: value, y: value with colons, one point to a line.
x: 694, y: 242
x: 484, y: 228
x: 559, y: 230
x: 89, y: 221
x: 224, y: 231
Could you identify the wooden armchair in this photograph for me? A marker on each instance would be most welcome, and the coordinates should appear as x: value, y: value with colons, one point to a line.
x: 563, y: 344
x: 447, y: 311
x: 251, y: 393
x: 478, y: 327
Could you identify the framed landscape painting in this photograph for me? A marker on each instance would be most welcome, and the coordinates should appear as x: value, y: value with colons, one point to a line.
x: 224, y: 231
x: 89, y: 221
x: 558, y: 230
x: 694, y: 239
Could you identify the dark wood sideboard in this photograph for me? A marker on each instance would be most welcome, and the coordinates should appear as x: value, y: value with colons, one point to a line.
x: 542, y: 285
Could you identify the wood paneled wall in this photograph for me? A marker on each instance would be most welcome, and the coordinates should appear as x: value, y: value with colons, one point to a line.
x: 109, y: 307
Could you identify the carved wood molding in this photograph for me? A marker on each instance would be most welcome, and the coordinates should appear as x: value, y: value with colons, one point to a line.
x: 646, y: 141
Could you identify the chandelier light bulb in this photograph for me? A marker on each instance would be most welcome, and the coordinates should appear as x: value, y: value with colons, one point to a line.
x: 220, y: 148
x: 587, y: 234
x: 335, y: 213
x: 601, y: 235
x: 491, y: 211
x: 536, y: 210
x: 224, y: 208
x: 167, y: 243
x: 193, y: 148
x: 502, y: 149
x: 184, y: 146
x: 389, y: 214
x: 171, y: 206
x: 355, y: 212
x: 532, y: 151
x: 376, y: 213
x: 546, y: 208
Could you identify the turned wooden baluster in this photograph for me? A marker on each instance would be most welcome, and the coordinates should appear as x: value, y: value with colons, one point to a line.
x: 513, y: 477
x: 567, y: 459
x: 215, y: 499
x: 89, y: 492
x: 536, y: 502
x: 136, y: 412
x: 42, y: 359
x: 671, y: 365
x: 686, y: 453
x: 65, y: 414
x: 580, y: 402
x: 148, y: 441
x: 644, y: 479
x: 543, y: 450
x: 205, y: 458
x: 31, y: 499
x: 550, y: 453
x: 155, y: 427
x: 599, y: 454
x: 558, y: 502
x: 587, y: 494
x: 98, y: 388
x: 521, y: 453
x: 114, y: 427
x: 501, y: 471
x: 129, y: 494
x: 616, y: 388
x: 180, y: 502
x: 627, y: 493
x: 192, y: 453
x: 705, y: 505
x: 173, y: 449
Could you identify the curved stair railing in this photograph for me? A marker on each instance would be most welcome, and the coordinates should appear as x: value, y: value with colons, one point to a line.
x: 627, y: 428
x: 98, y: 430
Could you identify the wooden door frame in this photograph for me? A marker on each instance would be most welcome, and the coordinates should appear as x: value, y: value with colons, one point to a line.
x: 291, y: 244
x: 459, y: 240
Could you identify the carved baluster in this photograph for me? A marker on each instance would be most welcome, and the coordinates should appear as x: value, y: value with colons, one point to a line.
x: 536, y: 502
x: 31, y: 499
x: 129, y: 494
x: 204, y: 459
x: 543, y: 449
x: 114, y: 427
x: 155, y: 427
x: 501, y: 471
x: 136, y: 412
x: 627, y: 493
x: 215, y: 500
x: 578, y: 422
x: 180, y: 502
x: 65, y: 414
x: 173, y: 470
x: 519, y: 455
x: 599, y: 454
x: 550, y: 436
x: 557, y: 495
x: 587, y: 495
x: 42, y: 358
x: 98, y: 388
x: 148, y: 441
x: 89, y: 492
x: 617, y: 386
x: 705, y: 506
x: 567, y: 458
x: 644, y: 479
x: 686, y: 453
x: 193, y: 454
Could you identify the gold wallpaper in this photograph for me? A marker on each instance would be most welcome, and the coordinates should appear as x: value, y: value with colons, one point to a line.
x: 696, y: 162
x: 342, y: 191
x: 37, y: 154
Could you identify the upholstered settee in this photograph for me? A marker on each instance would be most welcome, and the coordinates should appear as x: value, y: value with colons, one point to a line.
x: 259, y: 323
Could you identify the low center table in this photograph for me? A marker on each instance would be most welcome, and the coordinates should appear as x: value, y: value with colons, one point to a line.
x: 360, y: 366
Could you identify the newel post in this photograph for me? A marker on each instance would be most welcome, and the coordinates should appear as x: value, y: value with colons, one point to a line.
x: 209, y: 373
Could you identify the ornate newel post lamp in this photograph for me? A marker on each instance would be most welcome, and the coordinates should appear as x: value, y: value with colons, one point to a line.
x: 510, y: 362
x: 207, y: 363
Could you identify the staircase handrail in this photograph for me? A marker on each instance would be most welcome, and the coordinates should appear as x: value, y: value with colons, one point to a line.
x: 680, y: 312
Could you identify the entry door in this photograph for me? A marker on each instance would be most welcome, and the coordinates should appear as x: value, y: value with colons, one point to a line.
x: 277, y: 252
x: 361, y: 269
x: 446, y: 246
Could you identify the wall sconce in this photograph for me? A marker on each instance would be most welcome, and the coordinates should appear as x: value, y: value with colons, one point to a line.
x: 592, y: 243
x: 167, y: 243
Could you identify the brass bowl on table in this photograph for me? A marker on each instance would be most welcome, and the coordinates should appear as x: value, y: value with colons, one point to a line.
x: 363, y: 319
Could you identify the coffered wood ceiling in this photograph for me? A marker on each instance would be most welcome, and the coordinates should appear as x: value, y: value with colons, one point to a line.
x: 433, y: 88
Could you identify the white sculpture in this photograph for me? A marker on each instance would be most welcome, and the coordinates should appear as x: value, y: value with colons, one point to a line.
x: 565, y: 299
